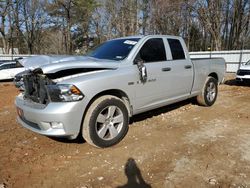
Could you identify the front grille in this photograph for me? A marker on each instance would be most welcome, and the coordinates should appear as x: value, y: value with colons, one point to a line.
x: 35, y: 88
x: 243, y: 72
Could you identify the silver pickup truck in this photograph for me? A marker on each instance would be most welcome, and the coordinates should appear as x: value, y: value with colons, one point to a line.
x: 94, y: 96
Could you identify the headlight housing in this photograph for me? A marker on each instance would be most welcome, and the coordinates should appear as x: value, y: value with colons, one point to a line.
x: 64, y: 93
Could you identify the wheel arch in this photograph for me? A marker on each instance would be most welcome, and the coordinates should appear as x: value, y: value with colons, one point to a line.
x: 214, y: 75
x: 115, y: 92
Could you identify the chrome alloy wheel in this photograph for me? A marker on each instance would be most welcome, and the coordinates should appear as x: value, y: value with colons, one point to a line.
x: 211, y: 91
x: 109, y: 122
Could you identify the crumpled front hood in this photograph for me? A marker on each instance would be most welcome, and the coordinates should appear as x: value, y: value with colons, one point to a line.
x: 37, y: 61
x: 87, y: 63
x: 53, y: 64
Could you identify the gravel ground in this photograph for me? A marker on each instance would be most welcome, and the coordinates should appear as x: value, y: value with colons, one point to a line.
x: 182, y: 145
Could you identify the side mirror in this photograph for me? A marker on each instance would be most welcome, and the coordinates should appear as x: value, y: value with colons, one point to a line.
x: 142, y: 70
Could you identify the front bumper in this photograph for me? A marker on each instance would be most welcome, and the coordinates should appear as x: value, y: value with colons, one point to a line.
x: 40, y: 118
x: 242, y: 78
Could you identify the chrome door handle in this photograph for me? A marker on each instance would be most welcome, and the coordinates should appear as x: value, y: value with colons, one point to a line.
x: 166, y: 69
x: 188, y: 67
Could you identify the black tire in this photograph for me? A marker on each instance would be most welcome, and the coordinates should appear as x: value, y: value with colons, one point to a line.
x: 209, y: 92
x: 94, y: 132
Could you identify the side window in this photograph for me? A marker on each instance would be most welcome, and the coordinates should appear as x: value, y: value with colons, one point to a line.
x: 13, y: 65
x: 8, y: 66
x: 152, y: 51
x: 176, y: 49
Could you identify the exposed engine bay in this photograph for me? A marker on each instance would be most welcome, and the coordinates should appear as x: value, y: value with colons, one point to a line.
x: 35, y: 87
x: 42, y: 88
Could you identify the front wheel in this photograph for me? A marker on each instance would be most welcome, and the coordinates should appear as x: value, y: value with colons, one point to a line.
x: 106, y: 122
x: 209, y: 92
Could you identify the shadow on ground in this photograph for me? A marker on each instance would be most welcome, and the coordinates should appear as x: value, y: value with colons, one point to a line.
x: 78, y: 140
x: 158, y: 111
x: 234, y: 82
x: 134, y: 176
x: 7, y: 81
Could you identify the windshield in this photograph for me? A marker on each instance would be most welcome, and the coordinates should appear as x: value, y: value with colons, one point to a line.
x: 248, y: 63
x: 115, y: 49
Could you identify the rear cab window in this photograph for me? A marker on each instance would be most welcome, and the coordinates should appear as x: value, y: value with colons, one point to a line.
x: 153, y: 50
x: 176, y: 49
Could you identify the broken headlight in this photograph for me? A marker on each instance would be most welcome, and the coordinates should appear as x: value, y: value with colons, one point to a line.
x: 64, y: 93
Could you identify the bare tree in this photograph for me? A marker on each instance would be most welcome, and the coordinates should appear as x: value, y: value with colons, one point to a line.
x: 4, y: 28
x: 62, y: 26
x: 61, y: 14
x: 239, y: 23
x: 29, y: 19
x: 210, y: 15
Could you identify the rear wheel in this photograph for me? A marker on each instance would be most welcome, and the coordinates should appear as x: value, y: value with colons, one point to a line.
x: 209, y: 92
x: 106, y: 122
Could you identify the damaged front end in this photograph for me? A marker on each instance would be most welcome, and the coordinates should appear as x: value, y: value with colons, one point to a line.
x: 42, y: 85
x: 35, y: 87
x: 39, y: 88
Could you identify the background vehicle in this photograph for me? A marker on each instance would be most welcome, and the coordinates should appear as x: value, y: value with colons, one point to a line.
x: 243, y: 74
x: 96, y: 95
x: 9, y: 69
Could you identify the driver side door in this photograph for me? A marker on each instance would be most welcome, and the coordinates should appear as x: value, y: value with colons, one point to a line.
x: 149, y: 94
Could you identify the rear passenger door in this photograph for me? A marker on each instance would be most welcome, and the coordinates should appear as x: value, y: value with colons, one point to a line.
x: 181, y: 69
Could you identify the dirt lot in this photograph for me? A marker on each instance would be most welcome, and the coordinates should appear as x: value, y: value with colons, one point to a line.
x: 182, y: 145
